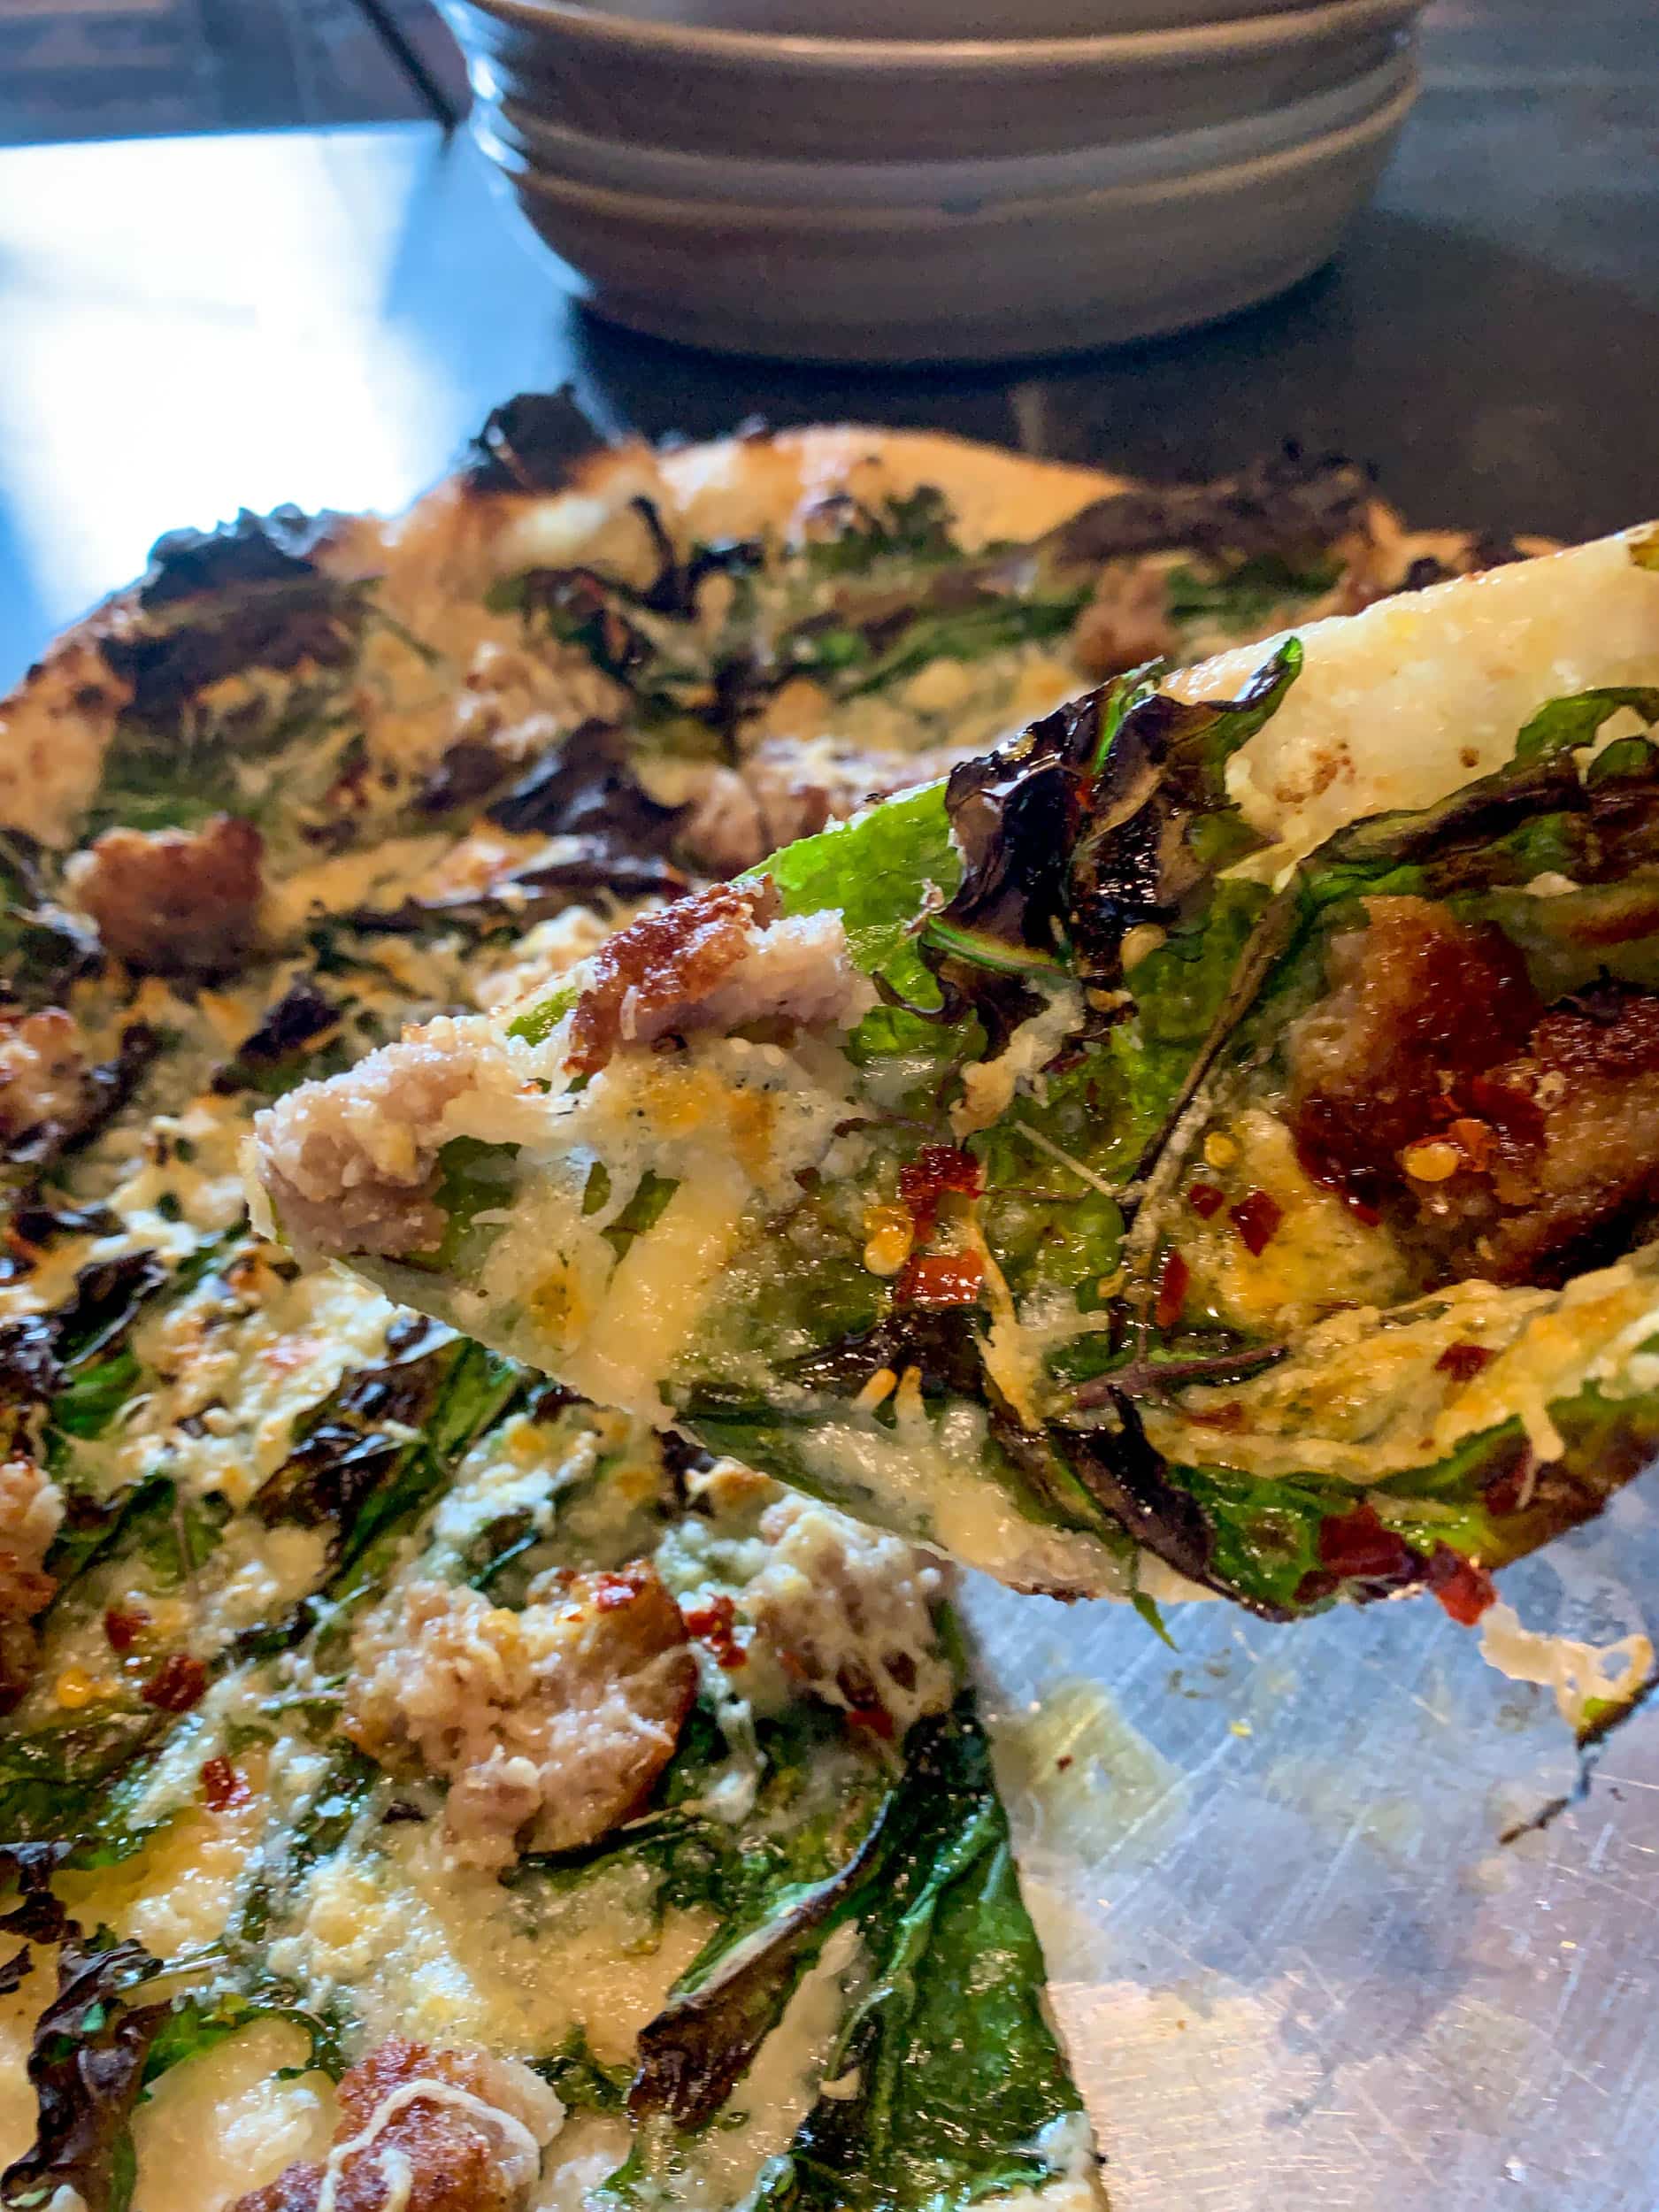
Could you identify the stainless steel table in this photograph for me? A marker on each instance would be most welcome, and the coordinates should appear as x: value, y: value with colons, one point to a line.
x: 1295, y: 1966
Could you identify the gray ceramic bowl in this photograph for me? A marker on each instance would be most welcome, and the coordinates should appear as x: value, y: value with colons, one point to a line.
x: 1034, y: 276
x: 515, y: 135
x: 937, y: 19
x: 716, y: 92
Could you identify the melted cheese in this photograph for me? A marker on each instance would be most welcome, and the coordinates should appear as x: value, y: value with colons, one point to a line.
x: 926, y: 1477
x: 988, y: 1086
x: 729, y: 1123
x: 1579, y: 1673
x: 447, y: 1956
x: 227, y: 2123
x: 1362, y: 1396
x: 1318, y: 1252
x: 1399, y: 705
x: 659, y: 1289
x: 245, y: 1379
x: 175, y: 1895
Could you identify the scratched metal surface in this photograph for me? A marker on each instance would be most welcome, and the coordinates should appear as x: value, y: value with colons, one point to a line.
x: 1294, y: 1965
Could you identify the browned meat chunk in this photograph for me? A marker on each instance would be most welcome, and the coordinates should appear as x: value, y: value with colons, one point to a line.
x: 850, y: 1615
x: 31, y: 1506
x: 1573, y: 1152
x: 350, y: 1165
x: 790, y: 788
x: 551, y: 1724
x: 425, y: 2131
x: 175, y: 902
x: 1416, y: 1002
x: 662, y: 961
x: 42, y: 1072
x: 1502, y: 1140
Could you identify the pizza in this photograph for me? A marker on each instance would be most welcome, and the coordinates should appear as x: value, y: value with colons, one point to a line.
x: 1214, y: 1135
x: 422, y: 1785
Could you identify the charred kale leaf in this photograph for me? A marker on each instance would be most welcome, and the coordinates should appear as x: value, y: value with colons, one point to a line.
x: 530, y: 442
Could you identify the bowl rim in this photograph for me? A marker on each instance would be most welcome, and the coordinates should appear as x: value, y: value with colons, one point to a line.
x: 881, y: 222
x: 1283, y: 28
x: 498, y: 121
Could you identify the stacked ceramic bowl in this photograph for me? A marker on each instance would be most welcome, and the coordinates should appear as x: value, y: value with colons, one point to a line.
x: 890, y: 180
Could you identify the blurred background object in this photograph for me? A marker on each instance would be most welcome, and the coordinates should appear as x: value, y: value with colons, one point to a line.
x: 988, y: 178
x: 83, y: 69
x: 1077, y: 178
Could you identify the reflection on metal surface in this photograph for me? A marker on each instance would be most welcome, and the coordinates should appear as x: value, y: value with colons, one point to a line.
x: 1293, y: 1964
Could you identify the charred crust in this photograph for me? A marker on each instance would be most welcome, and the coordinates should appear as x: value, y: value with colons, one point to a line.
x: 306, y: 621
x: 274, y: 548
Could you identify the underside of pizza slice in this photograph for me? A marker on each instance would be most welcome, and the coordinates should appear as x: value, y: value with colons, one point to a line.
x: 1212, y: 1140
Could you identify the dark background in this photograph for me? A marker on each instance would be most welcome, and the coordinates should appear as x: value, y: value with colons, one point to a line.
x: 316, y: 293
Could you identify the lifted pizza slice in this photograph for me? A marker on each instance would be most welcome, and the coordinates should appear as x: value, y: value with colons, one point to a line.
x: 1207, y: 1136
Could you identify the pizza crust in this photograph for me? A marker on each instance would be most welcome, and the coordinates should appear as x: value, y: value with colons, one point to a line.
x: 1399, y: 705
x: 434, y: 565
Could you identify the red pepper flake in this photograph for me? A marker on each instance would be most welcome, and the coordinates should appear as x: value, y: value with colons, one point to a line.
x: 1206, y: 1198
x: 1227, y: 1416
x: 714, y: 1622
x: 1256, y: 1218
x: 940, y: 1279
x: 1464, y: 1589
x: 1358, y: 1188
x: 936, y: 1169
x: 122, y: 1631
x: 876, y: 1719
x: 222, y: 1787
x: 1474, y: 1140
x: 1513, y: 1111
x: 176, y: 1684
x: 1358, y: 1547
x: 1461, y: 1361
x: 612, y: 1591
x: 1173, y: 1279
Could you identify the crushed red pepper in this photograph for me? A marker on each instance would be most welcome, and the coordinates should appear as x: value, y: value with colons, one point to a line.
x: 940, y: 1279
x: 222, y: 1787
x: 714, y: 1622
x: 1357, y: 1188
x: 936, y: 1169
x: 1461, y: 1361
x: 1256, y: 1218
x: 1358, y: 1547
x: 876, y: 1719
x: 121, y: 1631
x: 1464, y: 1588
x: 611, y: 1592
x: 177, y: 1684
x: 1173, y: 1280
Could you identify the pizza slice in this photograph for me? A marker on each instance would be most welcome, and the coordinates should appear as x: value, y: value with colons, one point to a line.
x: 1209, y: 1135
